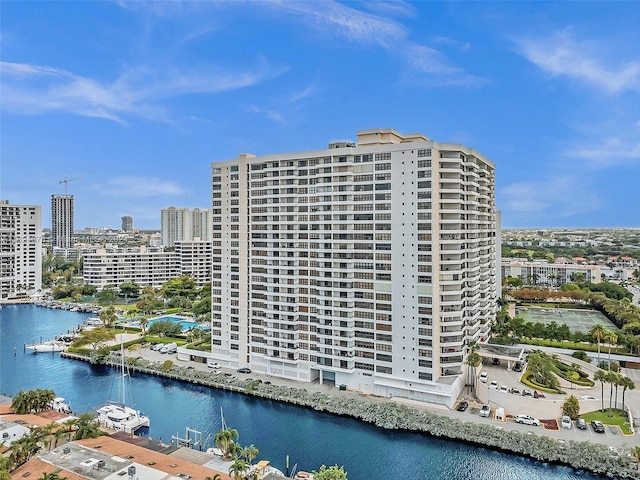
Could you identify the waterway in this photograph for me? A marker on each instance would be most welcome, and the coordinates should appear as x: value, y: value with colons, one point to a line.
x: 310, y: 438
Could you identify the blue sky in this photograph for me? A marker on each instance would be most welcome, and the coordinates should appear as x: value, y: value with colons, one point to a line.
x: 138, y: 98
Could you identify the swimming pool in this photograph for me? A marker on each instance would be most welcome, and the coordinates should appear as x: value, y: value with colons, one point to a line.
x: 184, y: 322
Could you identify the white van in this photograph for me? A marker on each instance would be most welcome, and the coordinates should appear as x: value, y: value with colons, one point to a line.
x: 169, y: 348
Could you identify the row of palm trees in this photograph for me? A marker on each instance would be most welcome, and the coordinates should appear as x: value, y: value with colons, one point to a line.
x: 48, y: 436
x: 242, y: 457
x: 615, y: 380
x: 32, y: 401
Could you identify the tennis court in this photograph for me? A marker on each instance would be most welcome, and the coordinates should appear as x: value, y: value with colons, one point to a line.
x: 576, y: 320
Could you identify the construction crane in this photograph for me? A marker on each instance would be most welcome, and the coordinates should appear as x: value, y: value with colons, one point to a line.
x: 66, y: 181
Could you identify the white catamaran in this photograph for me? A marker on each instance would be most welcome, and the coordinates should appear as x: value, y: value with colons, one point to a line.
x: 115, y: 414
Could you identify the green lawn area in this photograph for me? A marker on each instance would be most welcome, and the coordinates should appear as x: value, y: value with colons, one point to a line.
x: 618, y: 418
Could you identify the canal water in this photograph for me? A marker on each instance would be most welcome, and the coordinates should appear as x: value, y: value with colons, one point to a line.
x: 310, y: 438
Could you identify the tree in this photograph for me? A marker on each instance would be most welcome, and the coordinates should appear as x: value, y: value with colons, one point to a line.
x: 330, y: 473
x: 224, y: 439
x: 601, y: 376
x: 107, y: 295
x: 571, y: 407
x: 610, y: 338
x: 215, y: 477
x: 597, y: 332
x: 250, y: 453
x: 473, y: 360
x: 96, y: 338
x: 612, y: 378
x: 167, y: 365
x: 108, y: 315
x: 626, y: 383
x: 129, y: 289
x: 165, y: 328
x: 184, y: 286
x: 51, y: 476
x: 238, y: 468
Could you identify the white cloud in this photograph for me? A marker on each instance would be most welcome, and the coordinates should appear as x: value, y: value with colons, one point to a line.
x: 138, y: 186
x: 270, y: 114
x: 555, y: 196
x: 33, y: 89
x: 608, y: 152
x: 583, y: 60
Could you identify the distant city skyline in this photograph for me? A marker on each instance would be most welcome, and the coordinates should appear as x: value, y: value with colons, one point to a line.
x: 126, y: 104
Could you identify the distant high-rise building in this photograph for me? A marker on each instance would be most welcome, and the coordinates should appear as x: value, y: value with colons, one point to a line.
x: 182, y: 224
x: 20, y: 249
x: 127, y: 223
x: 201, y: 224
x: 62, y: 221
x: 368, y: 264
x: 175, y: 225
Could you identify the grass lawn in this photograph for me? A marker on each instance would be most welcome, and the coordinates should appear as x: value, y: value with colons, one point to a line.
x: 618, y: 418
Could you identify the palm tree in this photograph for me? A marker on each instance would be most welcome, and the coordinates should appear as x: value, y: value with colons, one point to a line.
x: 474, y: 360
x: 601, y: 376
x: 143, y: 326
x: 611, y: 379
x: 224, y: 439
x: 237, y: 468
x: 215, y: 477
x: 610, y: 338
x: 250, y: 453
x: 51, y: 476
x: 597, y: 332
x: 626, y: 383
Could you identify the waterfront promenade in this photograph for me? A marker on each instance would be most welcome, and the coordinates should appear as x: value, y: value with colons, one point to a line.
x: 546, y: 409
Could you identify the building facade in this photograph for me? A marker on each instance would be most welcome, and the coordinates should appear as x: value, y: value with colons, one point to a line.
x: 127, y: 223
x: 62, y: 216
x: 549, y: 274
x: 368, y: 264
x: 20, y: 250
x: 148, y: 267
x: 182, y: 224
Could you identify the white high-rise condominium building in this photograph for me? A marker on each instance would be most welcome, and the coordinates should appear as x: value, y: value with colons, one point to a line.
x: 368, y: 264
x: 20, y: 249
x: 182, y: 224
x: 62, y: 221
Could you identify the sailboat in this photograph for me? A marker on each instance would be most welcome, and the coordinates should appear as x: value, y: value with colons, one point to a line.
x: 116, y: 415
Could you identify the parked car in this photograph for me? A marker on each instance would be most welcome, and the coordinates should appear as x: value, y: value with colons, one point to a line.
x: 485, y: 411
x: 597, y: 426
x: 515, y: 391
x: 462, y: 406
x: 484, y: 377
x: 581, y: 424
x: 244, y: 370
x: 517, y: 367
x: 527, y: 393
x: 503, y: 388
x: 495, y: 361
x: 493, y: 384
x: 565, y: 421
x: 538, y: 394
x: 527, y: 420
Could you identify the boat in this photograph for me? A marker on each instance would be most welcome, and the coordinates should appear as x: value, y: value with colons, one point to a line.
x: 116, y: 415
x: 264, y: 469
x: 58, y: 404
x: 46, y: 347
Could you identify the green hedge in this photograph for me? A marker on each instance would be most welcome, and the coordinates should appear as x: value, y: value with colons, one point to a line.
x: 530, y: 383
